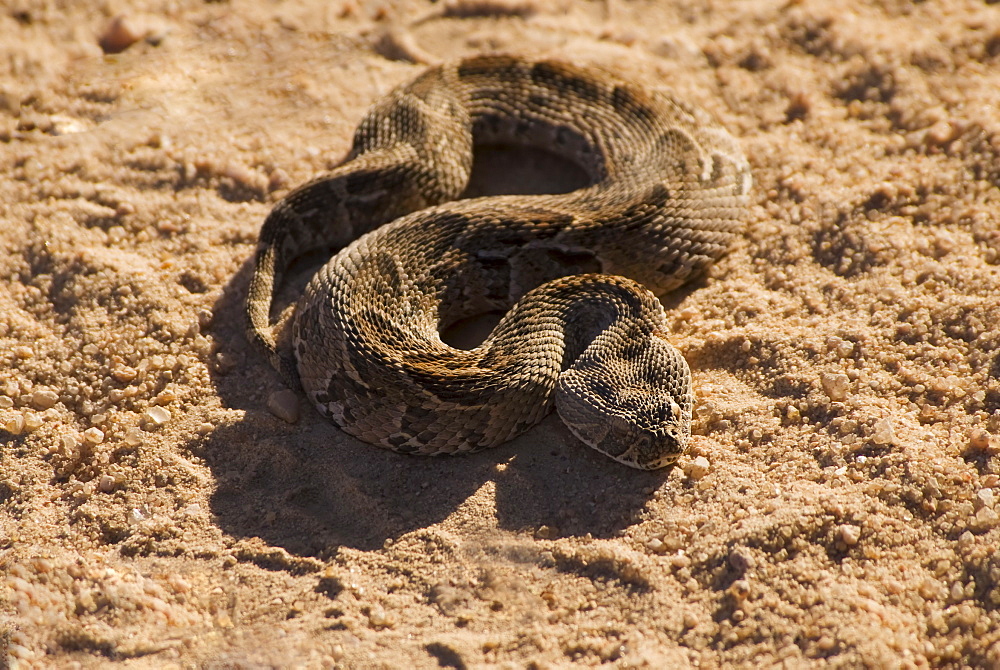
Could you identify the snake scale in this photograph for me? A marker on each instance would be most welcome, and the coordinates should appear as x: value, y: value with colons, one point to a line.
x: 577, y: 272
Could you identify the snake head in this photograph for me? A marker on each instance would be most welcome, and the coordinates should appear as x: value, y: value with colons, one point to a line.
x: 638, y: 414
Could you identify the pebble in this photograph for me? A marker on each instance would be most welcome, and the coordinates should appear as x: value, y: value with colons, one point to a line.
x: 984, y: 498
x: 697, y: 468
x: 124, y: 374
x: 32, y: 420
x: 740, y: 589
x: 546, y: 533
x: 67, y: 445
x: 106, y: 483
x: 378, y: 618
x: 741, y: 560
x: 979, y: 439
x: 835, y: 385
x: 941, y: 133
x: 842, y: 347
x: 882, y: 433
x: 93, y: 436
x: 14, y: 425
x: 284, y: 404
x: 119, y: 34
x: 44, y: 398
x: 156, y: 416
x: 849, y: 534
x: 984, y: 520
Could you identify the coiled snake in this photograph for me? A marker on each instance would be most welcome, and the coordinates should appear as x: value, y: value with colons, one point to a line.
x: 577, y: 271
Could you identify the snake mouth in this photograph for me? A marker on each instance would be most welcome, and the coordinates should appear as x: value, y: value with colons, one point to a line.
x: 652, y: 450
x: 643, y: 448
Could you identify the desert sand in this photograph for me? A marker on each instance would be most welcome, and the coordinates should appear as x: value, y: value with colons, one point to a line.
x: 838, y: 506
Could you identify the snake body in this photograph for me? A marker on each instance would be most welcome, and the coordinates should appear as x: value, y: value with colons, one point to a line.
x: 578, y: 272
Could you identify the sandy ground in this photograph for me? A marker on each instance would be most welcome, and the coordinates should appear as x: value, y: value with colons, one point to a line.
x: 839, y: 504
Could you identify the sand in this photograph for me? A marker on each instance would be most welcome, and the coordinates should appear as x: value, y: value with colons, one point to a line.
x: 839, y: 504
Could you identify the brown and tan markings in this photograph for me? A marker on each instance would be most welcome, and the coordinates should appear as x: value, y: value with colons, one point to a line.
x: 577, y: 272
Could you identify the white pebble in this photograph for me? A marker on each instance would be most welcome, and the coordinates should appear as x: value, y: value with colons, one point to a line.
x: 157, y: 416
x: 984, y: 498
x: 32, y: 420
x: 985, y: 519
x: 44, y: 398
x: 835, y: 384
x: 979, y: 439
x: 849, y: 534
x: 697, y: 468
x: 378, y: 618
x: 882, y: 433
x: 93, y: 436
x: 284, y: 404
x: 14, y: 425
x: 133, y: 437
x: 67, y: 444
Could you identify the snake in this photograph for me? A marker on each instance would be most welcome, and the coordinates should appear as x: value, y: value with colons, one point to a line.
x: 575, y: 274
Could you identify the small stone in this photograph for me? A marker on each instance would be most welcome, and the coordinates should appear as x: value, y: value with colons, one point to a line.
x: 835, y: 385
x: 225, y: 362
x: 14, y: 425
x: 656, y: 546
x: 546, y: 533
x: 178, y: 584
x: 68, y: 445
x: 106, y: 483
x: 985, y: 519
x: 32, y: 421
x: 739, y: 589
x: 6, y: 402
x: 741, y: 560
x: 156, y: 416
x: 979, y: 439
x: 378, y: 618
x: 941, y: 133
x: 849, y: 534
x: 165, y: 397
x: 44, y: 398
x: 93, y: 436
x: 205, y: 317
x: 680, y: 560
x: 124, y: 374
x: 204, y: 428
x: 119, y: 34
x: 133, y: 437
x: 882, y: 432
x: 984, y: 498
x: 284, y: 404
x: 697, y: 468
